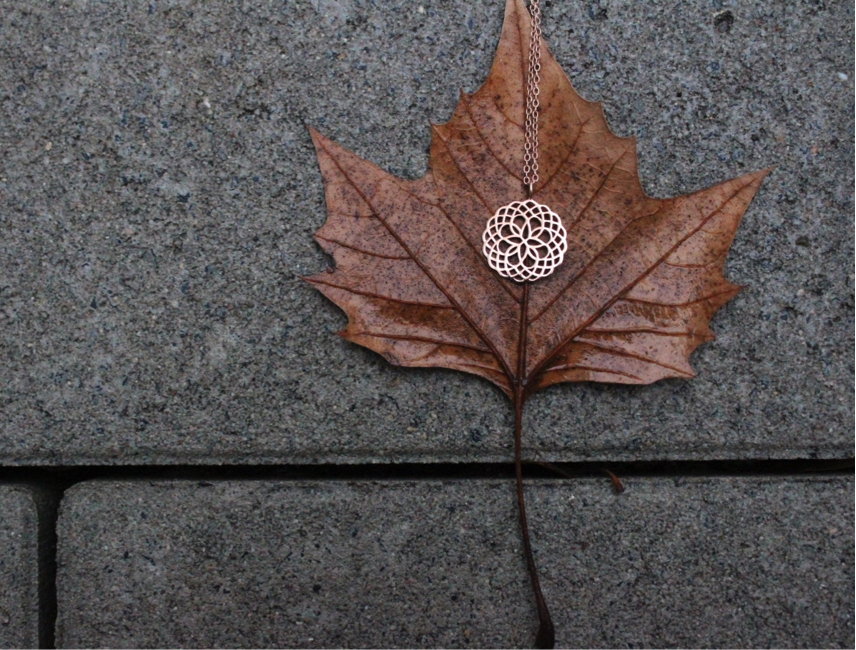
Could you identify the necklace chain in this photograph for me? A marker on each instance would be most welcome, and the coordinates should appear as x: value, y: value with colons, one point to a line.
x: 525, y: 240
x: 533, y: 83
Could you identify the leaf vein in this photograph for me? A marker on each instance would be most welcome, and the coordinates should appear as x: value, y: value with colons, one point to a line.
x: 425, y: 339
x: 371, y: 294
x: 573, y: 366
x: 363, y: 251
x: 634, y: 355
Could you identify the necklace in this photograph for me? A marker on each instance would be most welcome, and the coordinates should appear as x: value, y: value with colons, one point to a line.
x: 526, y: 240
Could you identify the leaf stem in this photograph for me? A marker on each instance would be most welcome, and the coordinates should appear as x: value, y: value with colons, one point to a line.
x: 545, y: 638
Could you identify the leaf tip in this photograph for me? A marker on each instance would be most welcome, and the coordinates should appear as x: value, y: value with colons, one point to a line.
x: 760, y: 175
x: 317, y: 139
x: 516, y: 8
x: 732, y: 290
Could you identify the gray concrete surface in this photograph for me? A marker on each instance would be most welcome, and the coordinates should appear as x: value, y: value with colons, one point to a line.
x: 19, y: 573
x: 158, y: 192
x: 704, y: 562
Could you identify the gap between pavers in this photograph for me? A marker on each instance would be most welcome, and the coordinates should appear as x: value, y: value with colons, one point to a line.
x: 19, y: 570
x: 711, y: 562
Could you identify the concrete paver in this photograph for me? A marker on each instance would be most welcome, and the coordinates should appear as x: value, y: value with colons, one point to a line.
x: 702, y: 562
x: 19, y: 573
x: 159, y: 192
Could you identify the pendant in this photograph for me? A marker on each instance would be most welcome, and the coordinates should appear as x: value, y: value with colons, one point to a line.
x: 524, y: 240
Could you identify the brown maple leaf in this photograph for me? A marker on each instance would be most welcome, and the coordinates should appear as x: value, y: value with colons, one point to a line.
x: 641, y: 278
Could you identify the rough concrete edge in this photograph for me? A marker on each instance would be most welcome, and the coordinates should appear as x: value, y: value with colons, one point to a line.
x: 31, y: 554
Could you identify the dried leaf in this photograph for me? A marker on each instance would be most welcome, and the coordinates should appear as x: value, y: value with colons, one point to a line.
x: 640, y: 281
x: 641, y: 278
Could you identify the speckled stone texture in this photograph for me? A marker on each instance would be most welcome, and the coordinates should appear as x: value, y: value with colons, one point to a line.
x: 19, y: 620
x: 706, y: 562
x: 158, y: 193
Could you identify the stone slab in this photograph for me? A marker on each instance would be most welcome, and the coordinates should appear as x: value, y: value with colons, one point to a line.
x: 701, y: 562
x: 19, y: 571
x: 158, y: 193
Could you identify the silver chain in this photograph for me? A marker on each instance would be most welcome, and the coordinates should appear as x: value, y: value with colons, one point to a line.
x: 533, y: 83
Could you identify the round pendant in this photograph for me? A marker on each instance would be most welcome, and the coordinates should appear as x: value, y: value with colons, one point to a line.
x: 524, y: 240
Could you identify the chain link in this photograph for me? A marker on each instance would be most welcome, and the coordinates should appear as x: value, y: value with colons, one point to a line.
x: 533, y: 84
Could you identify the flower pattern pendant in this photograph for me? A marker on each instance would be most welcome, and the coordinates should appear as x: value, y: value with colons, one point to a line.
x: 525, y: 240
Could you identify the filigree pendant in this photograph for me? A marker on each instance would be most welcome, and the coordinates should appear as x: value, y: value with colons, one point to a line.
x: 525, y: 240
